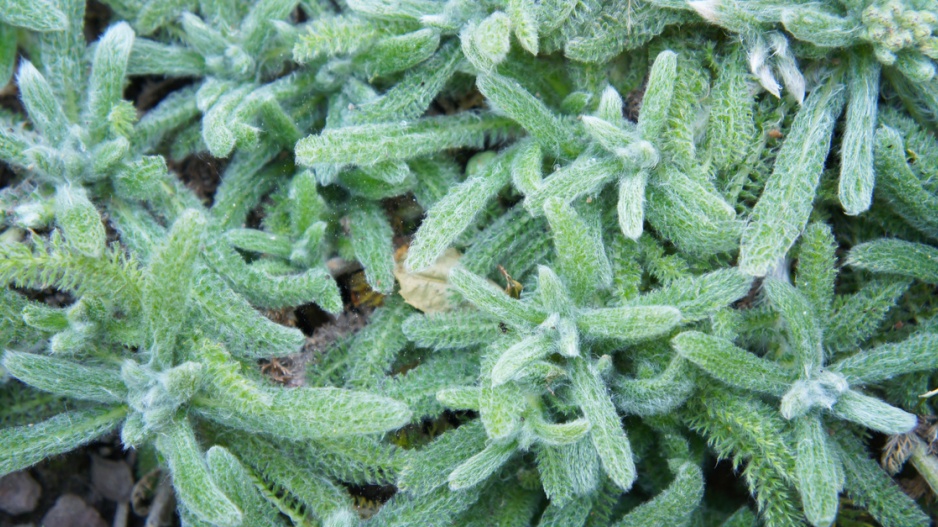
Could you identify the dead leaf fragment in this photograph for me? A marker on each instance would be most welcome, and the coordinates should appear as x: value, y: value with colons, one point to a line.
x: 427, y: 290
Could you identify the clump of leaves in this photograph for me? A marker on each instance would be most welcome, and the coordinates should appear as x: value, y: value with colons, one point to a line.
x: 714, y: 221
x: 128, y: 351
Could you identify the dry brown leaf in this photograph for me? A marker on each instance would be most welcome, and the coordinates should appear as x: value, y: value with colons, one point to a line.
x: 427, y: 290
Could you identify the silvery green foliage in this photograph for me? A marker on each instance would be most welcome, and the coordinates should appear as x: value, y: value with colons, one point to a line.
x: 915, y: 260
x: 680, y: 230
x: 675, y: 504
x: 558, y: 323
x: 901, y: 184
x: 83, y: 133
x: 42, y: 16
x: 809, y: 389
x: 784, y: 207
x: 856, y: 170
x: 179, y: 377
x: 291, y: 268
x: 241, y: 52
x: 450, y: 216
x: 900, y: 34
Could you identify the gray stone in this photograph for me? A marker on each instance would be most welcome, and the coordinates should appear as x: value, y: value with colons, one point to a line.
x: 112, y: 479
x: 19, y: 493
x: 71, y: 511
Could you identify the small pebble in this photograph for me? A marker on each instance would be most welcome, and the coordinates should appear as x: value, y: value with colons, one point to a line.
x: 112, y: 479
x: 19, y: 493
x: 71, y: 511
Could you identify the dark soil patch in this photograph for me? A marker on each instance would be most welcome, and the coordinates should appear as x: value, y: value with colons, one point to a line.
x: 201, y: 173
x: 97, y: 19
x: 146, y: 91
